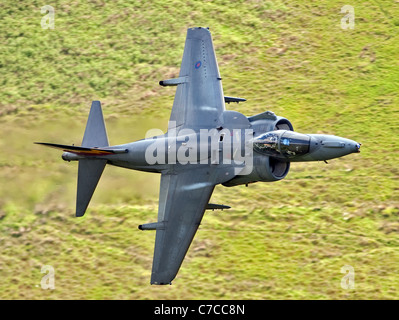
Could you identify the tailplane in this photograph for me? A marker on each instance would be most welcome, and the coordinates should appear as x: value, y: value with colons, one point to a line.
x: 83, y: 151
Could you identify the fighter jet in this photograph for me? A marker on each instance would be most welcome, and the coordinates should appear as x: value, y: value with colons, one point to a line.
x: 205, y: 145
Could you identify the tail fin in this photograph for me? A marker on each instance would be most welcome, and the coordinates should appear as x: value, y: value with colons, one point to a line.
x: 95, y: 133
x: 89, y: 173
x: 90, y: 170
x: 94, y: 144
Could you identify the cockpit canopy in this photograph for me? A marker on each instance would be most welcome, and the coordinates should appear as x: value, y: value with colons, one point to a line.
x: 282, y: 143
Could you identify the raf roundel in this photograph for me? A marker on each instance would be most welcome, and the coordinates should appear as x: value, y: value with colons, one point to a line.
x: 197, y: 64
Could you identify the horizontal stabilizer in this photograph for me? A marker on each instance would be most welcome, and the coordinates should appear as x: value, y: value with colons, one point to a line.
x: 83, y: 150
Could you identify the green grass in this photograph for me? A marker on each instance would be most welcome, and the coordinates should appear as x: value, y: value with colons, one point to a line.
x: 283, y: 240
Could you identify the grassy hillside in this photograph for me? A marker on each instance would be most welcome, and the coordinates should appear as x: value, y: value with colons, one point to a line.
x: 283, y: 240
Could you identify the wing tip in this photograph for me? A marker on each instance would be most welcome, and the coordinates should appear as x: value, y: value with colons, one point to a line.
x: 199, y: 31
x: 160, y: 282
x: 163, y: 278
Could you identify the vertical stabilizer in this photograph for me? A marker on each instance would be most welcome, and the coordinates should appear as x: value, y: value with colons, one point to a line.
x: 95, y: 133
x: 90, y: 170
x: 89, y: 174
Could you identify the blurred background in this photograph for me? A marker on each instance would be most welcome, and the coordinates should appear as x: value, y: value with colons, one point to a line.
x: 282, y: 240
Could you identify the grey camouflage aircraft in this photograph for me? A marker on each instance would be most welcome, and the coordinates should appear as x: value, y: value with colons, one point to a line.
x: 205, y: 145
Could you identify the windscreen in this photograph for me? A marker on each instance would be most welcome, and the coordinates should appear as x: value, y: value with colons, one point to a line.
x: 294, y: 144
x: 267, y: 143
x: 282, y: 143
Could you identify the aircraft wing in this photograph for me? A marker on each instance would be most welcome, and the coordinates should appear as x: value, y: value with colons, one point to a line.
x: 182, y: 201
x: 199, y: 100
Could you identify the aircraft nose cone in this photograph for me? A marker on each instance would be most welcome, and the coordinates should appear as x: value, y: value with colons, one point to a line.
x: 353, y: 146
x: 325, y: 147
